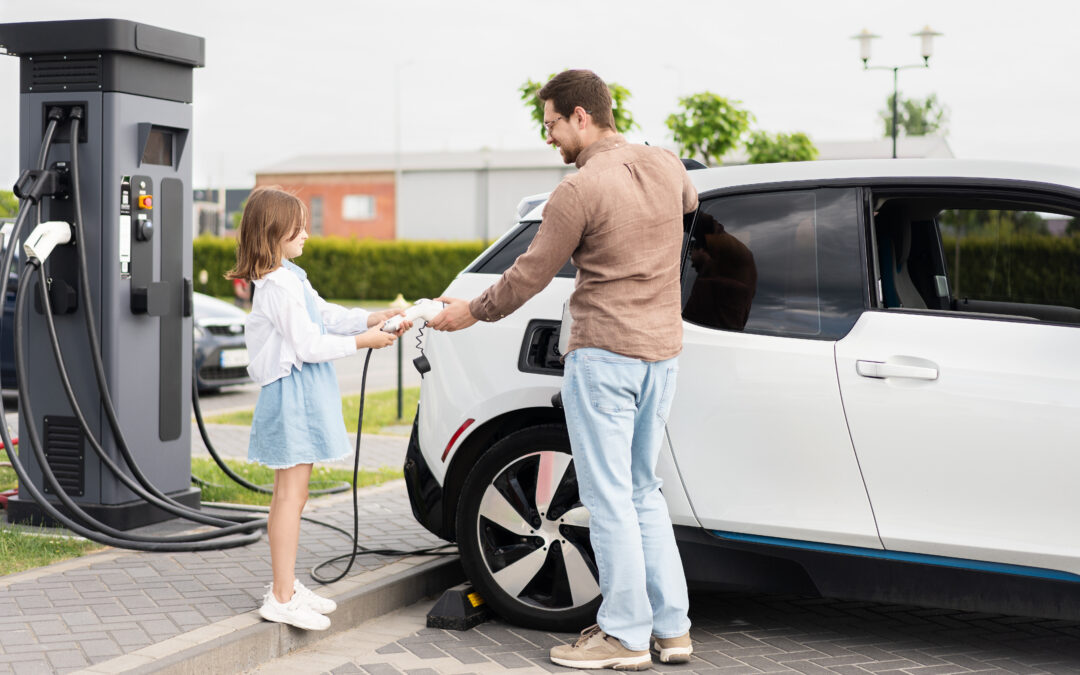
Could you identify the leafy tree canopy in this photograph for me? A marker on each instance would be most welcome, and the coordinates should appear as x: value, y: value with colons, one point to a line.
x: 708, y: 126
x: 624, y: 121
x: 978, y: 222
x: 9, y: 206
x: 763, y: 148
x: 916, y: 116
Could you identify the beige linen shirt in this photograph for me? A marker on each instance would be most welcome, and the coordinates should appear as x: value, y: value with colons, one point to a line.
x: 620, y: 220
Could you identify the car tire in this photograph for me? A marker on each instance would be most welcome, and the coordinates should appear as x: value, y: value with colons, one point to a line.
x: 523, y: 532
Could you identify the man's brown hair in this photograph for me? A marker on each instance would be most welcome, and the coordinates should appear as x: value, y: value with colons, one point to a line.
x: 271, y: 216
x: 572, y: 88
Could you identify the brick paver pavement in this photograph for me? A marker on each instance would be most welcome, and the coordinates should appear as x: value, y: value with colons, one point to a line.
x: 732, y: 633
x: 80, y: 612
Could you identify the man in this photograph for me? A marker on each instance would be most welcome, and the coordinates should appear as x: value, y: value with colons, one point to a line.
x: 620, y: 217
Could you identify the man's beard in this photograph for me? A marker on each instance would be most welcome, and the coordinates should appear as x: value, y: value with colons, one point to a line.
x: 569, y: 153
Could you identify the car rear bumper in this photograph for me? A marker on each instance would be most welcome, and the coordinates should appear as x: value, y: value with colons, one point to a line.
x: 425, y: 493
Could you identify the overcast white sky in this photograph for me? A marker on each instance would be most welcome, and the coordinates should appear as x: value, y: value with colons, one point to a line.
x: 322, y: 76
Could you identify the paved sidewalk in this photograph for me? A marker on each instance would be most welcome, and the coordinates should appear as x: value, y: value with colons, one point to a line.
x: 732, y: 634
x: 94, y: 610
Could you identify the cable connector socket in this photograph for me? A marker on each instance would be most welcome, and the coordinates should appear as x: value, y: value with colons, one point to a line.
x: 45, y: 237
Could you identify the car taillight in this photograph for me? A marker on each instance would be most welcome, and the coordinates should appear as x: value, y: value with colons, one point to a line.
x: 453, y: 439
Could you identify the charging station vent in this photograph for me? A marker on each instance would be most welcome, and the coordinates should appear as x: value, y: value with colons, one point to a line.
x: 64, y: 452
x: 75, y: 72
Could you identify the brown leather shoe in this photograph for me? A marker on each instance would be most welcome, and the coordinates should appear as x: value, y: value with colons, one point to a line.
x: 673, y: 650
x: 597, y: 649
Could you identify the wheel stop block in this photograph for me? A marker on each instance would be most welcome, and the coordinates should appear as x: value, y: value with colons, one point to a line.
x: 459, y: 608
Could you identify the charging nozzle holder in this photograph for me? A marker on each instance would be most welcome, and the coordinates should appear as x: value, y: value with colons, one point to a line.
x: 33, y: 184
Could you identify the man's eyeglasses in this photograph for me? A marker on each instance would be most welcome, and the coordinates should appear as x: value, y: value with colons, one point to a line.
x: 552, y: 123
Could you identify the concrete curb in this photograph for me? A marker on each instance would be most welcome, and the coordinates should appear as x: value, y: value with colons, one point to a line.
x: 243, y: 642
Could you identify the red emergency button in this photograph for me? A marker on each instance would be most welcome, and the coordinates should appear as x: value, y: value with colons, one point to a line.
x: 146, y: 202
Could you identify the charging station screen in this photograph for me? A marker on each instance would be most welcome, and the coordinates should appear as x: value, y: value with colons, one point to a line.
x: 159, y: 148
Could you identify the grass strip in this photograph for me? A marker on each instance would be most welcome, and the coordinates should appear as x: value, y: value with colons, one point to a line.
x: 7, y: 474
x: 381, y: 411
x: 23, y: 548
x: 321, y: 477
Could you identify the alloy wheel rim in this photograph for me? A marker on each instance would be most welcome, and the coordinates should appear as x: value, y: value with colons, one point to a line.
x: 533, y: 533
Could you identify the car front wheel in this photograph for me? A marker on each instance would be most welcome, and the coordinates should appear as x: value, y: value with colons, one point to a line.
x: 524, y: 534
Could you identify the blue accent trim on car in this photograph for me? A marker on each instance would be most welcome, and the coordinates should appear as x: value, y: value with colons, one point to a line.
x: 941, y: 561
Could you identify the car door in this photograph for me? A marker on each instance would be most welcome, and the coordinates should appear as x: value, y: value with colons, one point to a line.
x: 757, y: 427
x: 964, y: 402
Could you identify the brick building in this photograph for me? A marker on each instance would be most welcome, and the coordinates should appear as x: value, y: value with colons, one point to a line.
x: 466, y: 195
x: 445, y: 196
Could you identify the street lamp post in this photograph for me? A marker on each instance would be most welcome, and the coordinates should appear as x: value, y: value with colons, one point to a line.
x: 927, y: 50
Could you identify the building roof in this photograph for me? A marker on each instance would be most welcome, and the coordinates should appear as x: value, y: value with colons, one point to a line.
x: 542, y: 158
x: 548, y: 158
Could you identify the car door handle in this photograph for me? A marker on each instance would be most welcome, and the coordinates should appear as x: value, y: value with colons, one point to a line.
x: 881, y: 369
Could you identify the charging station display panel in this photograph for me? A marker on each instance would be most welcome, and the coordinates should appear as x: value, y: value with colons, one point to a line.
x: 159, y: 147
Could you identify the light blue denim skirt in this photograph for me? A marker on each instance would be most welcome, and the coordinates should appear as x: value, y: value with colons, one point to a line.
x: 298, y: 420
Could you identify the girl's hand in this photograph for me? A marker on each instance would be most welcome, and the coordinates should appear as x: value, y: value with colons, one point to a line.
x: 375, y: 338
x: 387, y: 314
x: 382, y: 315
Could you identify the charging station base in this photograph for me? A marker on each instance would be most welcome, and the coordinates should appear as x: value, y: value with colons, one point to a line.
x: 126, y: 516
x: 459, y: 608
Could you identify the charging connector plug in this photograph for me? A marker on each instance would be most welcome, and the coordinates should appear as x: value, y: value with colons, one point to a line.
x: 45, y: 238
x: 34, y: 184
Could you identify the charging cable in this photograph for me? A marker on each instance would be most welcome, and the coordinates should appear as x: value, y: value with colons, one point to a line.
x: 96, y: 531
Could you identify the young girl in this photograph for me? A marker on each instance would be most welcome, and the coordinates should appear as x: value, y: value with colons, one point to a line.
x: 291, y: 335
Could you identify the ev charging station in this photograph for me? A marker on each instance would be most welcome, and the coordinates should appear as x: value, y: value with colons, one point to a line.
x: 132, y: 85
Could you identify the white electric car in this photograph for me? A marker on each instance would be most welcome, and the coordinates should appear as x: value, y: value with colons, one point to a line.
x: 878, y: 398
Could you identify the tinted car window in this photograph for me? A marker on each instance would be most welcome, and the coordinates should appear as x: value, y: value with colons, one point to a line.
x: 978, y: 254
x: 499, y: 260
x: 784, y: 263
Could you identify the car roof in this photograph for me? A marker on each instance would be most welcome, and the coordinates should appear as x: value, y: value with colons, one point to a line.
x: 209, y: 307
x: 746, y: 175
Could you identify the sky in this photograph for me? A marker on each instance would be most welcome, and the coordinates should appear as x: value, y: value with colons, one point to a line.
x: 355, y: 76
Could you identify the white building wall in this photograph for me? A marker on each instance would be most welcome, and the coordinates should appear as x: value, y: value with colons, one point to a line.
x: 450, y: 205
x: 439, y: 205
x: 508, y: 186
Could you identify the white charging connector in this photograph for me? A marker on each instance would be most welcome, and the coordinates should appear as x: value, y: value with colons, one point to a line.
x: 45, y: 238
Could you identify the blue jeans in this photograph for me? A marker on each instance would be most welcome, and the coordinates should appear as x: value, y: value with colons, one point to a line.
x: 616, y: 409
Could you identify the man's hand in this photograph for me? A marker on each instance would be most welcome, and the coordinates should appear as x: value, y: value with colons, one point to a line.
x: 454, y: 317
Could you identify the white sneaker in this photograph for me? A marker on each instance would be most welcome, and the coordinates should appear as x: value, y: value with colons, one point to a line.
x: 312, y: 600
x: 294, y: 612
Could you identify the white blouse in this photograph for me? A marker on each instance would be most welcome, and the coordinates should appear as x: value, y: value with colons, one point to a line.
x: 280, y: 334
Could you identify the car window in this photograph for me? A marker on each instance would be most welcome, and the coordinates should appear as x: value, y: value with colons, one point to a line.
x: 499, y: 260
x: 784, y: 263
x: 999, y: 257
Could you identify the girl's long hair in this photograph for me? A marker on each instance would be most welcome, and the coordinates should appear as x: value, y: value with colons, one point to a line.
x: 270, y: 217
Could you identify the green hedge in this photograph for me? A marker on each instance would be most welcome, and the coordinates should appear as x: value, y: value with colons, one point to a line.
x: 352, y: 269
x: 1037, y: 269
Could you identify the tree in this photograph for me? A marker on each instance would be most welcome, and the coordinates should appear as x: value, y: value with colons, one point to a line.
x: 708, y: 126
x: 992, y: 222
x: 916, y: 117
x: 624, y: 121
x: 1073, y: 228
x: 9, y: 206
x: 763, y: 148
